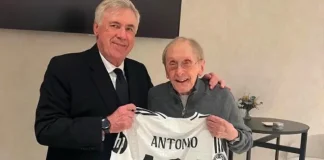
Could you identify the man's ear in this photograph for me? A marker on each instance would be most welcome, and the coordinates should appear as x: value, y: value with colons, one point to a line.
x: 201, y: 68
x: 95, y: 29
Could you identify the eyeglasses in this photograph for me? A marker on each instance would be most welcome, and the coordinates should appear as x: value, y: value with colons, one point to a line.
x: 186, y: 64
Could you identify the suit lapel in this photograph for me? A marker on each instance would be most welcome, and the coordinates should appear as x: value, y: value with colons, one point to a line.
x: 132, y: 80
x: 102, y: 80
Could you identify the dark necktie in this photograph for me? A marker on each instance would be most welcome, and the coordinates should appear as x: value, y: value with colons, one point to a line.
x: 121, y: 87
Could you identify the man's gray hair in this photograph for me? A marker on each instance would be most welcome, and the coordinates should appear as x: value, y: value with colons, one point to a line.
x: 116, y: 4
x: 195, y: 46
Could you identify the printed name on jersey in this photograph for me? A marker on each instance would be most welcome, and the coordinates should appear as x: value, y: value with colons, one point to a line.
x: 171, y: 143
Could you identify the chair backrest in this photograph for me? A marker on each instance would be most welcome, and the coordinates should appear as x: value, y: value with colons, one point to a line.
x: 314, y: 149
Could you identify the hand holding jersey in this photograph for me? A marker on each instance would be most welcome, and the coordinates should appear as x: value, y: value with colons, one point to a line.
x: 154, y: 136
x: 220, y: 128
x: 122, y: 118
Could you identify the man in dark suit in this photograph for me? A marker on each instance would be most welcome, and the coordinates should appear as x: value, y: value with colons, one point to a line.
x: 87, y: 98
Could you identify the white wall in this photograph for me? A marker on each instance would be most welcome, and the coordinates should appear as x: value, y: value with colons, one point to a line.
x: 273, y: 49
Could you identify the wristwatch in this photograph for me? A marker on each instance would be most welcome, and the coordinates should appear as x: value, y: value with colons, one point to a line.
x: 237, y: 139
x: 105, y: 125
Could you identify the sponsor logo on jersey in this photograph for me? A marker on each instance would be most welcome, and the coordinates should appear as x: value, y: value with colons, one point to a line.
x: 120, y: 144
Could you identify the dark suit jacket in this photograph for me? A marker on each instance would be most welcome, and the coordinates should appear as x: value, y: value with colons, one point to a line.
x: 75, y: 95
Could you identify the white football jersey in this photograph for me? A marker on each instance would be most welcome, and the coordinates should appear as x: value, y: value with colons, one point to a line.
x: 155, y: 136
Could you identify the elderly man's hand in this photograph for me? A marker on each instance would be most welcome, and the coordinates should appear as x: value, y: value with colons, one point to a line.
x: 220, y: 128
x: 213, y: 80
x: 122, y: 118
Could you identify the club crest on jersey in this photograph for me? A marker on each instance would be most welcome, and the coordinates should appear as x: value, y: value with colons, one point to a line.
x: 120, y: 144
x: 220, y: 156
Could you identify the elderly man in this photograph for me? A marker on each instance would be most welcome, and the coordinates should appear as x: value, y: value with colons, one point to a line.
x: 88, y: 97
x: 186, y: 94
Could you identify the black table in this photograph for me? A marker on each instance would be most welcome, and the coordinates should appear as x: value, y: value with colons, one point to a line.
x: 290, y: 127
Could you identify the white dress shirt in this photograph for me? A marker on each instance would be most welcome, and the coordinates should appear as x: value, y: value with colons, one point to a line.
x: 110, y: 69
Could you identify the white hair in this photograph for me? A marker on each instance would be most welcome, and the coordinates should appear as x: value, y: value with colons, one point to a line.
x: 116, y: 4
x: 196, y: 48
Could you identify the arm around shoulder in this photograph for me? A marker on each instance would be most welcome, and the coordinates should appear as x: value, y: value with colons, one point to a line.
x: 54, y: 127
